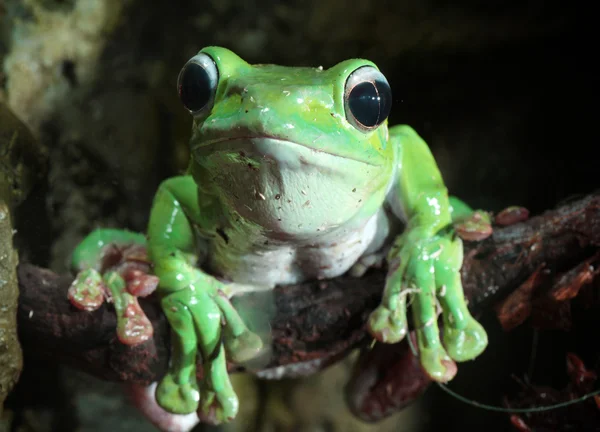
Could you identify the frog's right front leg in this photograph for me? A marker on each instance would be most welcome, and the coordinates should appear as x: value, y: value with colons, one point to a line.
x: 189, y: 300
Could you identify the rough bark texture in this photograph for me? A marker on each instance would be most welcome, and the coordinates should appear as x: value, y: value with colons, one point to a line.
x: 315, y: 323
x: 10, y: 351
x: 20, y: 161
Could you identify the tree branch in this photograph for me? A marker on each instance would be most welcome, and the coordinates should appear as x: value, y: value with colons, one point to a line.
x: 315, y: 323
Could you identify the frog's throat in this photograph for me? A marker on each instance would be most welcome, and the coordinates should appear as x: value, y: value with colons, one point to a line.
x: 266, y: 145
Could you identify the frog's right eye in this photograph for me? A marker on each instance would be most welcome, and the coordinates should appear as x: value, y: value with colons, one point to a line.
x: 197, y: 83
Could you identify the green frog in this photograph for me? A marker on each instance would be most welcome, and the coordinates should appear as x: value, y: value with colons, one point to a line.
x: 295, y: 175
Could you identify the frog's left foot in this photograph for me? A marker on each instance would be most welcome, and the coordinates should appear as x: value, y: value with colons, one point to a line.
x: 430, y: 273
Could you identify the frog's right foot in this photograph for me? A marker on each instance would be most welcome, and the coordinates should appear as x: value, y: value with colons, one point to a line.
x: 243, y: 347
x: 177, y: 398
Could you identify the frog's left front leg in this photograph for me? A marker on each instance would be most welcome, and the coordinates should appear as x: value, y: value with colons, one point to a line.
x: 425, y: 265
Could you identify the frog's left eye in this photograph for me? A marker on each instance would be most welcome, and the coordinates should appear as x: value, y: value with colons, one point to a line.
x: 197, y: 83
x: 367, y: 98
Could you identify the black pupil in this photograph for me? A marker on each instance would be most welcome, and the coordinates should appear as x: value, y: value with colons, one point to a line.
x: 370, y: 102
x: 194, y: 87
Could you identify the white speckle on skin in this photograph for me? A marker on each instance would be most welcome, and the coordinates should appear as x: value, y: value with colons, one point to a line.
x: 433, y: 202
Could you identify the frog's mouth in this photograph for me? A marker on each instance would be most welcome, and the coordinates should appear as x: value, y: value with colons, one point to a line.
x: 270, y: 148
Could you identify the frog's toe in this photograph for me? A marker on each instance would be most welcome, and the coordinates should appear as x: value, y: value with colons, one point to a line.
x: 388, y: 326
x: 463, y: 337
x: 87, y: 291
x: 218, y: 407
x: 244, y: 347
x: 437, y: 364
x: 177, y: 398
x: 477, y: 227
x: 466, y: 343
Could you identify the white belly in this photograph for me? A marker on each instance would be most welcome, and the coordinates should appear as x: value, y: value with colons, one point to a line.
x: 263, y: 265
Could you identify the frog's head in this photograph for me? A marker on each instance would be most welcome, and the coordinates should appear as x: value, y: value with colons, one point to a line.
x: 294, y: 135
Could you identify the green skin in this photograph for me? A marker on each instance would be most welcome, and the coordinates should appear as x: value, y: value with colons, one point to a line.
x: 261, y: 204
